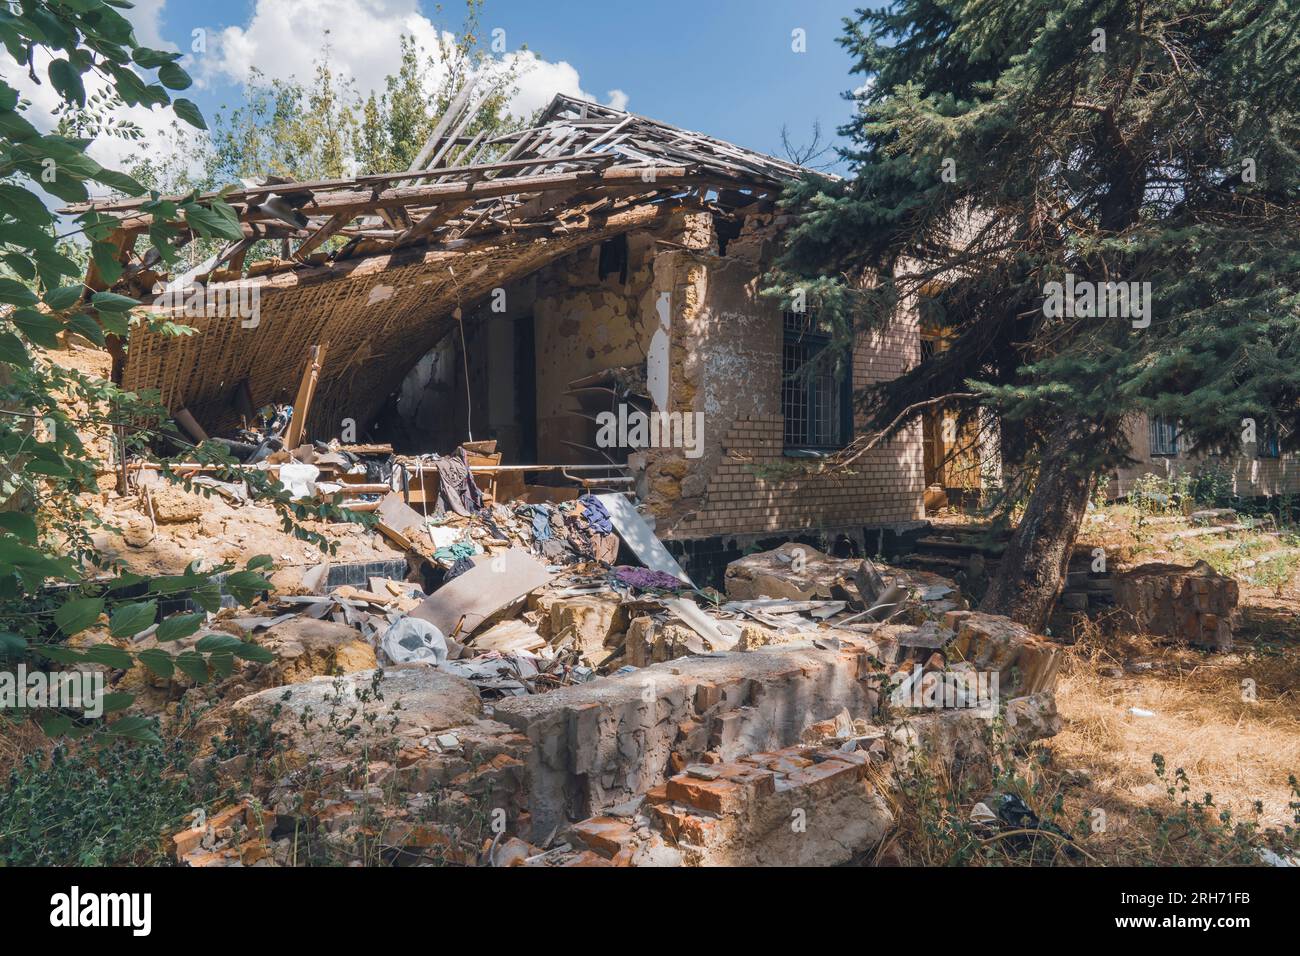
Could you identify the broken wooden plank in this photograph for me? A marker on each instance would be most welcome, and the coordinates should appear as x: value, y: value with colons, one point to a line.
x: 306, y: 389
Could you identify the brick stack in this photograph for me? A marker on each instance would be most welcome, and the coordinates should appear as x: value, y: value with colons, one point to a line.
x: 795, y: 806
x: 1195, y: 605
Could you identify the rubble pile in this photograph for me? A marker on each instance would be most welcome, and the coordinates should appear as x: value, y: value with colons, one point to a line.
x: 594, y: 715
x: 490, y: 673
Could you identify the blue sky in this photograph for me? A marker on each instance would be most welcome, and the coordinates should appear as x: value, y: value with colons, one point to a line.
x: 723, y: 67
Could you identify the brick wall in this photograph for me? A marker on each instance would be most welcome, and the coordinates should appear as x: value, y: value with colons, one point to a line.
x: 748, y: 485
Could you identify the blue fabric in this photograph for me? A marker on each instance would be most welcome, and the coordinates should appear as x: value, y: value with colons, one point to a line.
x: 596, y: 514
x: 542, y: 522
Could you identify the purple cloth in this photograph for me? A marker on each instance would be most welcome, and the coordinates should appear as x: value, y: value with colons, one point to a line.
x: 643, y: 579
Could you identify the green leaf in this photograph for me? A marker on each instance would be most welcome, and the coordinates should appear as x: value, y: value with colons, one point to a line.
x: 22, y: 526
x: 112, y: 302
x: 21, y: 265
x: 116, y: 701
x: 58, y: 653
x: 157, y: 661
x: 193, y: 666
x: 218, y: 221
x: 127, y: 580
x: 131, y: 619
x: 118, y: 323
x: 63, y: 298
x: 135, y: 727
x: 207, y: 597
x: 12, y: 350
x: 67, y: 81
x: 52, y: 469
x: 119, y: 181
x: 23, y: 204
x: 223, y: 663
x: 151, y: 59
x: 254, y: 652
x: 173, y: 77
x: 85, y: 325
x: 56, y: 725
x: 77, y: 615
x: 12, y: 645
x: 246, y: 586
x: 189, y: 112
x: 68, y: 188
x: 104, y: 255
x: 178, y: 626
x: 14, y: 127
x: 108, y: 654
x: 213, y: 643
x: 15, y: 293
x: 40, y: 327
x: 259, y: 561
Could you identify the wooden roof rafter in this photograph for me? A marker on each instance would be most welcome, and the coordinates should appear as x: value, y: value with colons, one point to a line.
x: 483, y: 211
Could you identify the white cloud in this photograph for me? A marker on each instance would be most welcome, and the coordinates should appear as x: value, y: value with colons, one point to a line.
x: 283, y: 38
x: 146, y: 17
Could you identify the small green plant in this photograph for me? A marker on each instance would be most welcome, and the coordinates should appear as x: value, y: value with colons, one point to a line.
x: 88, y: 806
x: 1196, y: 830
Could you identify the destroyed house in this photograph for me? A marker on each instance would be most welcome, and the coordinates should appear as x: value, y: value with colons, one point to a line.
x: 587, y: 296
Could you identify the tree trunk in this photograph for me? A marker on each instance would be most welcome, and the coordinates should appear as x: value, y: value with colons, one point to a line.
x: 1032, y: 571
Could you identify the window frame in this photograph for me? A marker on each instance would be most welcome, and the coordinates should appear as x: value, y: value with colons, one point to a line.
x: 816, y: 343
x: 1157, y: 427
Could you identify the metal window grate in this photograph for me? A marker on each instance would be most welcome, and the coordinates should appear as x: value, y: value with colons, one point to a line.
x: 1162, y: 435
x: 814, y: 386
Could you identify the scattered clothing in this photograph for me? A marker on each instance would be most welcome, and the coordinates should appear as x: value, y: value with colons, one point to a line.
x: 456, y: 488
x: 644, y: 579
x: 595, y: 514
x: 541, y: 522
x: 456, y: 552
x: 456, y: 570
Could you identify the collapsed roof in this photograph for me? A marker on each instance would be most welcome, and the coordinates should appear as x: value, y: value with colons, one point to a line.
x: 420, y: 244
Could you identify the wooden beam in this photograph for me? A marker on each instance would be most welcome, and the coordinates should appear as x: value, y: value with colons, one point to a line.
x: 252, y: 193
x: 438, y: 216
x: 361, y: 202
x: 312, y: 242
x: 306, y: 389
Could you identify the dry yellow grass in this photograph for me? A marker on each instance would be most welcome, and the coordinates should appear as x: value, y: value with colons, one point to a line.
x: 1239, y: 750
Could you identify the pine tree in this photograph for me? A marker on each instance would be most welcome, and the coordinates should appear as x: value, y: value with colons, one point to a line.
x: 1000, y: 146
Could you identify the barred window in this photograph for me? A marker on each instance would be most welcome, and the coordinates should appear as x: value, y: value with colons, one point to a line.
x: 816, y: 386
x: 1163, y: 434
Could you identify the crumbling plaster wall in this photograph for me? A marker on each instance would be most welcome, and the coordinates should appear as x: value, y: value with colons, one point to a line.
x: 584, y: 324
x: 726, y: 365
